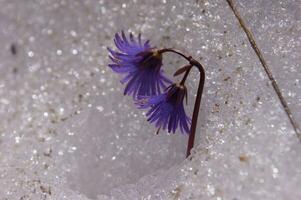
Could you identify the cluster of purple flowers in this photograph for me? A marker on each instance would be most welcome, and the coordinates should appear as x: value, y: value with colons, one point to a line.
x: 148, y: 85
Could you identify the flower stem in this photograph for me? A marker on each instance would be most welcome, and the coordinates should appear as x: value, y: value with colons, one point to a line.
x: 185, y: 76
x: 198, y: 99
x: 196, y: 106
x: 175, y: 51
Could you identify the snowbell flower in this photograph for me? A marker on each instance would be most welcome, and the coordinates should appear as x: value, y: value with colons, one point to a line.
x: 141, y: 65
x: 167, y: 109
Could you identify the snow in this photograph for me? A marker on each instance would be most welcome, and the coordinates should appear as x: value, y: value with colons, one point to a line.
x: 67, y: 132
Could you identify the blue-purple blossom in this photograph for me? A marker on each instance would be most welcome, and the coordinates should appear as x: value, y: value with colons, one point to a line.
x: 167, y: 109
x: 141, y: 65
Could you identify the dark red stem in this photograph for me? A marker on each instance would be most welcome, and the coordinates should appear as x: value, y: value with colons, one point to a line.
x: 175, y: 51
x: 198, y: 99
x: 185, y: 76
x: 196, y: 106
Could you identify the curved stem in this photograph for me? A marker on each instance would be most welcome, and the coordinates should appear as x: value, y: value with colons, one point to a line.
x: 185, y: 75
x: 196, y: 106
x: 175, y: 51
x: 198, y: 99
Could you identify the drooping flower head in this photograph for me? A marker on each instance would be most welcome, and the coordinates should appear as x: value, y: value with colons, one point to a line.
x: 167, y: 109
x: 141, y: 63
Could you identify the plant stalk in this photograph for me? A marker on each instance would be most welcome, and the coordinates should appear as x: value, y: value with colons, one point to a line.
x: 196, y: 106
x: 198, y: 99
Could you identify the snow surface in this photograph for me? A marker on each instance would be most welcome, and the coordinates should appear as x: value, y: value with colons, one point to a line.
x: 67, y: 132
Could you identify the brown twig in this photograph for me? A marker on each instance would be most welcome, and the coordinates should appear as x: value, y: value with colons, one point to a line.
x: 266, y: 68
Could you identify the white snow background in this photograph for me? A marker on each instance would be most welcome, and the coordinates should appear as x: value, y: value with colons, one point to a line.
x: 67, y: 131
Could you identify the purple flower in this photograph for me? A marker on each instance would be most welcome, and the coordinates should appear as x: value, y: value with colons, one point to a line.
x: 167, y: 109
x: 141, y: 63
